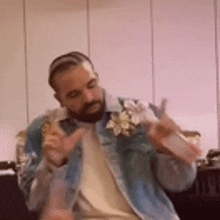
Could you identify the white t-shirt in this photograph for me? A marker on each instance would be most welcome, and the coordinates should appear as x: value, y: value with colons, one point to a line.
x: 99, y: 195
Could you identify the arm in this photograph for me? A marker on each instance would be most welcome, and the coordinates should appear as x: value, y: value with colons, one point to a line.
x: 173, y: 174
x: 34, y: 177
x: 167, y: 137
x: 41, y: 183
x: 56, y: 206
x: 44, y: 161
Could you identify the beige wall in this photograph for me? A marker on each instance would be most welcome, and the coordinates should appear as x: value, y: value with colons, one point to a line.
x: 184, y: 39
x: 13, y: 113
x: 168, y: 51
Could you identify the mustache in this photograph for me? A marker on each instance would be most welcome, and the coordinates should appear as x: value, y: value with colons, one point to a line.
x: 88, y: 105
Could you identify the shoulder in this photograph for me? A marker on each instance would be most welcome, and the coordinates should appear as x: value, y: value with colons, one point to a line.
x: 133, y: 104
x: 32, y: 129
x: 29, y: 142
x: 126, y: 99
x: 119, y: 103
x: 36, y: 126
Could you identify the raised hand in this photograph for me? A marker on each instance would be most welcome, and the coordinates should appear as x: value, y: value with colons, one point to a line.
x: 57, y: 145
x: 167, y: 138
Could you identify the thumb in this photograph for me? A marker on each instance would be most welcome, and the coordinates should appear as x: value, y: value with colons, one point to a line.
x: 71, y: 141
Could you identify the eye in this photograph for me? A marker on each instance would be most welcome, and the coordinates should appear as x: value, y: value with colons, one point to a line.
x: 72, y: 95
x: 92, y: 84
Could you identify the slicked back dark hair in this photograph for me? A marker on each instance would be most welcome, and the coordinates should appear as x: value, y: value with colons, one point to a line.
x: 66, y: 62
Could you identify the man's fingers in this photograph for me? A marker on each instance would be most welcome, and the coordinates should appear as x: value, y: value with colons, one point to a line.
x: 188, y: 156
x: 77, y: 136
x: 69, y: 143
x: 56, y: 130
x: 49, y: 145
x: 54, y: 157
x: 169, y: 123
x: 52, y: 142
x: 195, y: 149
x: 54, y: 137
x: 58, y: 146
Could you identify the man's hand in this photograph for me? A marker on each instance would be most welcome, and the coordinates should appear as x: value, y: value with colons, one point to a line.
x: 57, y: 146
x: 160, y: 130
x: 167, y: 138
x: 164, y: 128
x: 167, y: 122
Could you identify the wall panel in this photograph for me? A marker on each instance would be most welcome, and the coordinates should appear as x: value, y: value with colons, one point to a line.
x: 120, y: 39
x: 13, y: 115
x: 119, y: 42
x: 185, y: 64
x: 217, y: 24
x: 53, y: 28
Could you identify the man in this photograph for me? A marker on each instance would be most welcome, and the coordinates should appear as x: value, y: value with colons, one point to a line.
x: 114, y: 165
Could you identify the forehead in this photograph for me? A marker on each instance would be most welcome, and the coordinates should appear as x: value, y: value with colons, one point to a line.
x: 75, y: 79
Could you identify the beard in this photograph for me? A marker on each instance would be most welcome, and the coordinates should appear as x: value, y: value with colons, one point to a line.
x: 90, y: 117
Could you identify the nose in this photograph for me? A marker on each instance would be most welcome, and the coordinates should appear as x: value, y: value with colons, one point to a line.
x: 88, y: 97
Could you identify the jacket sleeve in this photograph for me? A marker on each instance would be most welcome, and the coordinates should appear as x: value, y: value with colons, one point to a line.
x: 173, y: 174
x: 34, y: 178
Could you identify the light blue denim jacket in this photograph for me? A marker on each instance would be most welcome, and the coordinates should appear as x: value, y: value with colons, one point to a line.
x: 140, y: 173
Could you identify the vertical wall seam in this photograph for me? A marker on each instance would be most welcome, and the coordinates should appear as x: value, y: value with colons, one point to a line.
x: 88, y: 29
x: 217, y: 67
x: 25, y: 61
x: 153, y: 77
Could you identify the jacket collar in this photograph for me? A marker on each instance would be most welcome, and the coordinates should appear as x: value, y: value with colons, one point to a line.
x: 112, y: 103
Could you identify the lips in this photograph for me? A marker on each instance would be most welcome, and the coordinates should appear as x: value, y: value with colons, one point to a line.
x: 93, y: 108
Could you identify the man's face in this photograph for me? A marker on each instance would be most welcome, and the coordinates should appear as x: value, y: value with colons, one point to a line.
x: 79, y: 91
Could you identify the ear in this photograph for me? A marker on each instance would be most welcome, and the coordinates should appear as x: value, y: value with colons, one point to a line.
x: 97, y: 74
x: 57, y: 97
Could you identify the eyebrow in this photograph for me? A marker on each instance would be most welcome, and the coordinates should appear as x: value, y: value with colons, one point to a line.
x: 78, y: 91
x: 91, y: 81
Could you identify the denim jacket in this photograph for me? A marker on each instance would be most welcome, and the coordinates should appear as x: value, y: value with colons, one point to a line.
x: 140, y: 173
